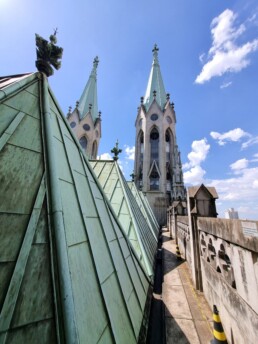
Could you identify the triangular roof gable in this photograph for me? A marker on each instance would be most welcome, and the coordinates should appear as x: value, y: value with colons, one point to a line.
x: 127, y: 210
x: 210, y: 190
x: 64, y: 234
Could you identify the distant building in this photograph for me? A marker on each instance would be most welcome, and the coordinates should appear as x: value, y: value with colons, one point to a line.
x: 158, y: 169
x: 231, y: 214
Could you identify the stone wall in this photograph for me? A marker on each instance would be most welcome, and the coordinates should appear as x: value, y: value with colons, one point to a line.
x: 229, y: 264
x: 229, y: 269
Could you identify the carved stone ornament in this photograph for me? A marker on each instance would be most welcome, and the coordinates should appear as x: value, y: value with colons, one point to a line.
x: 48, y: 54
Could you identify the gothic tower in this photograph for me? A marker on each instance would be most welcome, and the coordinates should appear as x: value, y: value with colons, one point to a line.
x: 158, y: 168
x: 85, y: 119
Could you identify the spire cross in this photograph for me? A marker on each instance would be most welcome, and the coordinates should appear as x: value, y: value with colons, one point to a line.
x: 96, y: 62
x: 155, y: 51
x: 116, y: 151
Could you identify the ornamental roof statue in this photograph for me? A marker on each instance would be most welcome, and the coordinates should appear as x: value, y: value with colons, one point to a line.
x: 48, y: 54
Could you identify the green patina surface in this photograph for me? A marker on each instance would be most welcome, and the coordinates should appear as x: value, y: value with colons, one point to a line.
x: 68, y: 273
x: 135, y: 224
x: 145, y: 207
x: 155, y: 84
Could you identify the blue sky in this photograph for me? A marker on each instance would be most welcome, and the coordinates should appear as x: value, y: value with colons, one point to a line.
x: 209, y: 63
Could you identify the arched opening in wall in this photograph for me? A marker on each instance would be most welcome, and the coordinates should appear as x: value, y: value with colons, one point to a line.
x: 203, y: 245
x: 154, y: 178
x: 218, y: 269
x: 168, y: 179
x: 168, y: 145
x: 212, y: 253
x: 94, y: 150
x: 154, y: 146
x: 83, y: 142
x: 139, y: 159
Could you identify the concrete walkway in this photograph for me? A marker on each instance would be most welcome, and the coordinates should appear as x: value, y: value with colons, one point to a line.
x: 188, y: 317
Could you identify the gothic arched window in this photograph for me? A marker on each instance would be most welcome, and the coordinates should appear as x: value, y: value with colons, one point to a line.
x: 94, y: 150
x: 154, y: 178
x: 154, y: 145
x: 83, y: 142
x: 168, y: 146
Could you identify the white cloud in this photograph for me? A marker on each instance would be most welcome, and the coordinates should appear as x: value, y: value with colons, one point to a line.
x: 105, y: 156
x: 239, y: 164
x: 194, y: 176
x: 234, y: 135
x: 199, y: 152
x: 202, y: 58
x: 225, y: 55
x: 252, y: 141
x: 226, y: 84
x: 129, y: 151
x: 242, y: 187
x: 195, y: 173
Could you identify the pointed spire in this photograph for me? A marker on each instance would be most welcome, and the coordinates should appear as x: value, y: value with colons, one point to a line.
x: 89, y: 101
x: 155, y: 83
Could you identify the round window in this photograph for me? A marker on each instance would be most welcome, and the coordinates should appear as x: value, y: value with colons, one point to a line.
x: 154, y: 117
x: 86, y: 127
x: 169, y: 120
x: 72, y: 124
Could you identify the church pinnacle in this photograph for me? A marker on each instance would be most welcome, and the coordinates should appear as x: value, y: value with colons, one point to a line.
x: 155, y: 88
x: 89, y: 101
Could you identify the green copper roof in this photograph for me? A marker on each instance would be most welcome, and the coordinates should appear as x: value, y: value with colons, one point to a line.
x: 68, y: 274
x: 145, y: 207
x: 142, y: 236
x: 155, y: 83
x: 89, y: 100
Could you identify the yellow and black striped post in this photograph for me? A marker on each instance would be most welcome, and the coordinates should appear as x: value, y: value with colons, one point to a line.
x: 178, y: 254
x: 218, y: 332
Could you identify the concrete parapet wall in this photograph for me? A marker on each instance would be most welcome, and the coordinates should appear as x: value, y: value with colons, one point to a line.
x: 229, y: 266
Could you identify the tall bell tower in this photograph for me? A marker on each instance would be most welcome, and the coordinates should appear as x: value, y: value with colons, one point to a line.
x: 158, y: 168
x: 85, y: 120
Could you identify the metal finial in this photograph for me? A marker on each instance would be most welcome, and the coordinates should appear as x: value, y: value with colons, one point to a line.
x: 116, y: 151
x: 155, y: 49
x: 99, y: 114
x: 95, y: 62
x: 48, y: 54
x: 77, y: 103
x: 132, y: 176
x: 168, y: 96
x: 173, y: 105
x: 69, y: 109
x: 154, y: 94
x: 90, y: 107
x: 142, y: 99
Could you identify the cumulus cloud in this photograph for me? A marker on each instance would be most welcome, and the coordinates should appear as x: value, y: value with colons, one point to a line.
x: 129, y: 151
x: 194, y: 176
x: 199, y: 152
x: 195, y: 173
x: 105, y: 156
x: 225, y: 55
x: 239, y: 165
x: 234, y: 135
x: 242, y: 187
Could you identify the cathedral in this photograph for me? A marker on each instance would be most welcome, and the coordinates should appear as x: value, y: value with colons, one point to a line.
x: 157, y: 165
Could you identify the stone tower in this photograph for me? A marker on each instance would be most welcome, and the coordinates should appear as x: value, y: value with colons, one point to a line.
x: 158, y: 169
x: 85, y: 119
